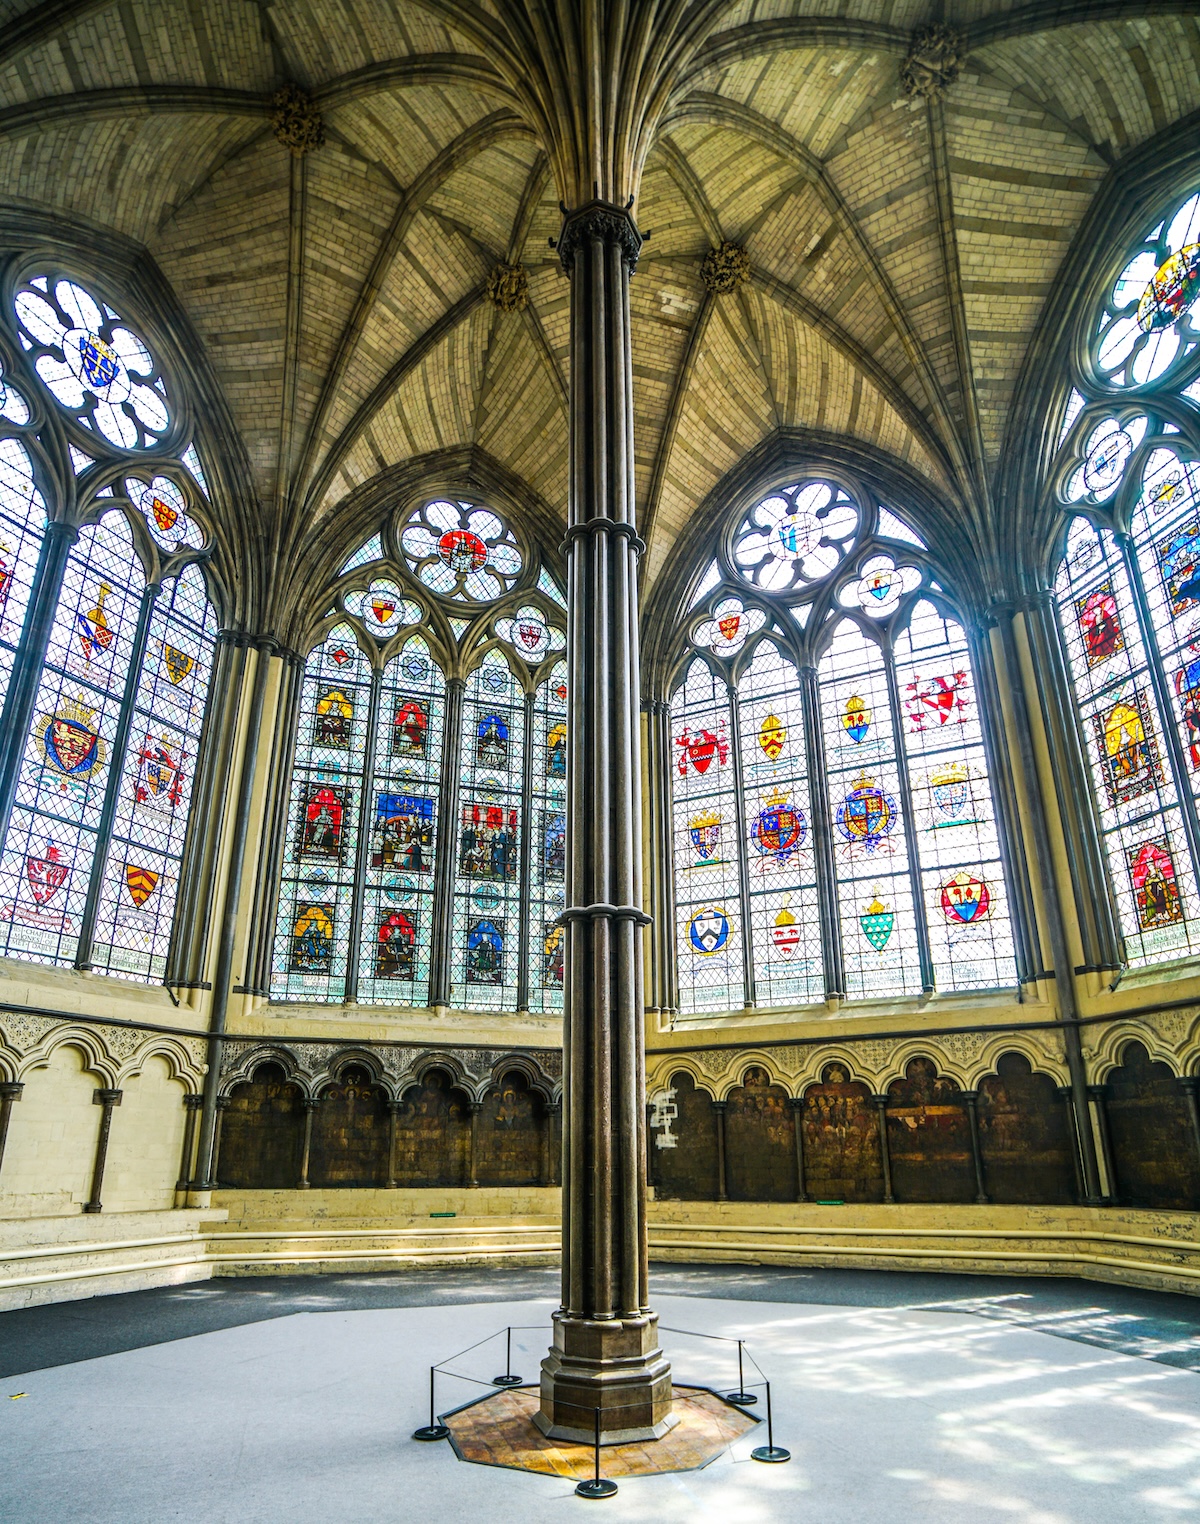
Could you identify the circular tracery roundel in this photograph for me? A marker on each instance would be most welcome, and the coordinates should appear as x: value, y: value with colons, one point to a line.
x: 1150, y: 323
x: 461, y: 551
x: 94, y: 366
x: 796, y: 536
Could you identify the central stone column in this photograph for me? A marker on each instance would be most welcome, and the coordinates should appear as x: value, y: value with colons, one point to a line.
x: 605, y: 1353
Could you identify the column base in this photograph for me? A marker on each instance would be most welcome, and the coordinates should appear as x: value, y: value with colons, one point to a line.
x: 613, y: 1364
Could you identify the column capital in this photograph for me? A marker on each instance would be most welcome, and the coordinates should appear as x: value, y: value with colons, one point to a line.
x: 602, y: 220
x: 589, y: 527
x: 310, y: 1102
x: 194, y: 1100
x: 10, y: 1090
x: 106, y: 1097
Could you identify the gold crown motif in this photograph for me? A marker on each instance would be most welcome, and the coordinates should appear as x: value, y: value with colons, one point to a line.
x: 708, y: 818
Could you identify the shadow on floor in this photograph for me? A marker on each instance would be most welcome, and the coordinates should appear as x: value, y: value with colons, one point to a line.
x: 1162, y: 1326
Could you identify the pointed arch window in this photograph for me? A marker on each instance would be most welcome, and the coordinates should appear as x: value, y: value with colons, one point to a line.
x: 442, y: 878
x: 106, y: 636
x: 1127, y: 590
x: 853, y: 830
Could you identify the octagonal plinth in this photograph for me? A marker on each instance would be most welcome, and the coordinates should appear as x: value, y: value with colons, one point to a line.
x: 499, y: 1430
x: 610, y: 1364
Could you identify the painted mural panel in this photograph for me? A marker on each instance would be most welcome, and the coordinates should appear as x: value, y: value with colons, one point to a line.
x: 262, y: 1134
x: 683, y: 1142
x: 842, y: 1159
x: 1023, y: 1135
x: 760, y: 1141
x: 929, y: 1137
x: 350, y: 1134
x: 511, y: 1135
x: 433, y: 1134
x: 1153, y: 1143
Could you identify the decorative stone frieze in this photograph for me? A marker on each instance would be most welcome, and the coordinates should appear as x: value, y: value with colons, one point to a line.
x: 725, y: 268
x: 932, y: 63
x: 296, y: 120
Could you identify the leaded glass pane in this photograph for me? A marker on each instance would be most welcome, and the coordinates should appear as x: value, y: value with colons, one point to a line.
x: 966, y: 903
x: 785, y: 919
x: 51, y: 841
x: 404, y: 830
x: 547, y: 938
x: 22, y: 525
x: 138, y: 889
x: 708, y: 930
x: 317, y: 888
x: 1123, y: 737
x: 486, y: 931
x: 870, y: 836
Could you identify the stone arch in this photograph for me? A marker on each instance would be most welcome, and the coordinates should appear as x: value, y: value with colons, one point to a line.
x: 929, y: 1137
x: 262, y: 1129
x: 511, y: 1129
x: 683, y: 1160
x: 350, y: 1126
x: 433, y: 1129
x: 1026, y: 1141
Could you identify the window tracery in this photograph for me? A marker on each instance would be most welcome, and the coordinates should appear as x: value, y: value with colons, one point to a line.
x: 1127, y: 590
x: 102, y: 714
x: 830, y: 785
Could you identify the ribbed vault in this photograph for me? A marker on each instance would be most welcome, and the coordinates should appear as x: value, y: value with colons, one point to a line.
x: 901, y: 250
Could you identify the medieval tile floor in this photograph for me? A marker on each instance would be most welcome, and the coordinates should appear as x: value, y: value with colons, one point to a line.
x: 903, y: 1412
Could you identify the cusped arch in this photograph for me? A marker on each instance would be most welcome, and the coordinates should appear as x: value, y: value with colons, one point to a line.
x: 1112, y: 1046
x: 87, y: 1042
x: 660, y: 1077
x: 184, y: 1065
x: 247, y: 1064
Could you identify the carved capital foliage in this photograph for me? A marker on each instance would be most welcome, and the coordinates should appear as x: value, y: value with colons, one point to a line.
x: 508, y: 288
x: 296, y: 120
x: 932, y: 63
x: 725, y: 268
x: 603, y: 221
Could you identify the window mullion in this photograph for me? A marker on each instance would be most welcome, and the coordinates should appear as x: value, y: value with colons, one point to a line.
x: 910, y: 822
x: 1179, y: 771
x: 116, y: 771
x: 739, y: 793
x: 30, y: 658
x: 445, y: 845
x: 525, y: 900
x: 363, y: 847
x: 822, y: 829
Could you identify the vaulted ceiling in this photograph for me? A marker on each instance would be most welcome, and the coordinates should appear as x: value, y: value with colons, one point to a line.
x: 901, y: 251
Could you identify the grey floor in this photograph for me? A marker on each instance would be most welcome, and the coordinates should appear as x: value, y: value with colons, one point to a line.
x: 915, y: 1399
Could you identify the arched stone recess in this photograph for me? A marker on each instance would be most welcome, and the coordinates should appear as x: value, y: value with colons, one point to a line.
x: 1106, y: 1052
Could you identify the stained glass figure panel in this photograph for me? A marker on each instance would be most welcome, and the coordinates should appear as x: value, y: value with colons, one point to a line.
x: 52, y: 835
x: 317, y: 888
x: 870, y: 836
x: 487, y: 843
x: 1123, y: 730
x: 405, y: 831
x: 22, y: 526
x: 549, y: 856
x: 784, y: 913
x: 138, y: 889
x: 708, y: 929
x: 962, y: 875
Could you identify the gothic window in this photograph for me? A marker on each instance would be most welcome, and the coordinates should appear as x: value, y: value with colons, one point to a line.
x: 1127, y: 589
x: 830, y: 772
x: 103, y: 729
x: 425, y: 855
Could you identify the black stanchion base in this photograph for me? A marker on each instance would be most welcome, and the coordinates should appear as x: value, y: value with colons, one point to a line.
x: 741, y: 1399
x: 772, y: 1454
x: 596, y: 1487
x: 509, y: 1380
x: 432, y: 1431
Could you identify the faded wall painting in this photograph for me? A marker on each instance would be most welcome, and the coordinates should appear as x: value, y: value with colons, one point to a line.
x: 842, y: 1160
x: 350, y: 1133
x: 511, y: 1135
x: 760, y: 1141
x: 929, y: 1137
x: 1153, y: 1141
x: 433, y: 1134
x: 683, y: 1142
x: 1024, y: 1139
x: 262, y: 1133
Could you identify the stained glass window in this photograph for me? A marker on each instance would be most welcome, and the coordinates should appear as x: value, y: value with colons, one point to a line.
x: 882, y: 819
x: 404, y: 826
x: 707, y: 847
x: 549, y: 857
x: 22, y: 524
x: 487, y: 841
x: 461, y: 551
x: 316, y: 899
x: 1127, y: 590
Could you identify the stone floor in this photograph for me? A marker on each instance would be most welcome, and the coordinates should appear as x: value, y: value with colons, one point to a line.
x: 916, y: 1410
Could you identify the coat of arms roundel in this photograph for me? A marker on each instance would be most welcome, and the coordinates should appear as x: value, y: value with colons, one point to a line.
x: 70, y: 739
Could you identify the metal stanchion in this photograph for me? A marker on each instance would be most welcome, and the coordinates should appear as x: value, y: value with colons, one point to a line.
x: 770, y: 1452
x: 596, y: 1486
x: 742, y: 1397
x: 433, y: 1429
x: 508, y: 1379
